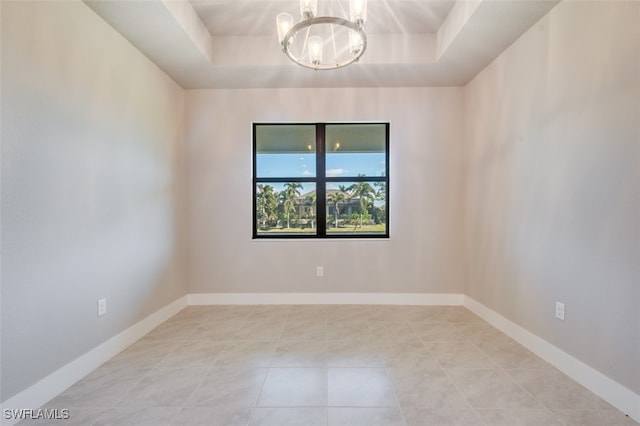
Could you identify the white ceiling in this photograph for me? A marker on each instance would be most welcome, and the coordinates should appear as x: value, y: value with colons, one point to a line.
x: 247, y: 17
x: 233, y: 43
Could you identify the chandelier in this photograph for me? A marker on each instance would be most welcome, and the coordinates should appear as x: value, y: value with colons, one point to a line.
x: 324, y: 42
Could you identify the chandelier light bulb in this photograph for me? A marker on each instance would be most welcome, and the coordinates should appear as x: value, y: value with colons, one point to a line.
x: 314, y: 44
x: 358, y: 11
x: 356, y: 44
x: 308, y: 8
x: 284, y: 22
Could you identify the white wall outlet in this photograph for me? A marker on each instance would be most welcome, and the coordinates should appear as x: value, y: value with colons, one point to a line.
x: 102, y: 307
x: 319, y: 271
x: 560, y: 311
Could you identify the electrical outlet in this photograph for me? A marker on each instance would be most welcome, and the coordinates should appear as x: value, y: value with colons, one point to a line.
x: 102, y: 307
x: 560, y: 311
x: 319, y: 271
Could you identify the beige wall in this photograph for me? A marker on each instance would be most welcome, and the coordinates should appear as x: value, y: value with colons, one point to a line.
x: 92, y: 181
x: 552, y: 138
x: 424, y: 253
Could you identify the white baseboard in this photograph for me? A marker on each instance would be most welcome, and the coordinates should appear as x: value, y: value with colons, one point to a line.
x: 325, y: 299
x: 611, y: 391
x: 58, y: 381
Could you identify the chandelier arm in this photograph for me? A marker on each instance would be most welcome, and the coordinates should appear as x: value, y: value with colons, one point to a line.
x: 344, y: 12
x: 333, y: 39
x: 333, y: 34
x: 306, y: 38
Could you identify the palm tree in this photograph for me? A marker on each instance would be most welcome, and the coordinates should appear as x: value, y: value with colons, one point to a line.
x: 311, y: 198
x: 289, y: 196
x: 266, y: 203
x: 336, y: 198
x: 364, y: 192
x: 381, y: 191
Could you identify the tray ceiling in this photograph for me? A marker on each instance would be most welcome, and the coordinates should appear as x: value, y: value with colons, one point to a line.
x: 233, y: 43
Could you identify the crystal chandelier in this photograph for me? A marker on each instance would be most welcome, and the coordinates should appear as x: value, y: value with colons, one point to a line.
x: 324, y: 42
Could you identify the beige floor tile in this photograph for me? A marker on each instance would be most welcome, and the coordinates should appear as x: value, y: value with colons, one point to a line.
x: 425, y: 314
x: 555, y: 390
x: 219, y: 331
x: 307, y: 320
x: 394, y: 314
x: 442, y: 417
x: 365, y: 417
x: 193, y: 354
x: 187, y: 323
x: 298, y: 416
x: 599, y: 417
x: 95, y: 391
x: 119, y: 369
x: 396, y: 331
x: 459, y: 355
x: 308, y: 314
x: 359, y: 387
x: 140, y: 355
x: 510, y: 354
x: 300, y: 354
x: 136, y: 416
x: 411, y: 354
x: 440, y: 314
x: 438, y: 332
x: 347, y: 313
x: 480, y: 332
x: 348, y: 353
x: 171, y: 331
x: 162, y: 387
x: 224, y: 388
x: 304, y: 330
x: 224, y: 313
x: 191, y: 314
x: 207, y: 416
x: 288, y: 387
x: 308, y: 310
x: 519, y: 417
x: 260, y: 330
x: 459, y: 314
x: 247, y: 353
x: 491, y: 389
x: 353, y: 330
x: 278, y: 313
x: 425, y: 389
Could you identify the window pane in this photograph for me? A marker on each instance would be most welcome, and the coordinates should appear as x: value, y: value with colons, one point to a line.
x: 356, y: 208
x: 285, y: 151
x: 355, y: 150
x: 286, y: 208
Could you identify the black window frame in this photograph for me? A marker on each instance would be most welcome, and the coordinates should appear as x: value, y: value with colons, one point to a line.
x: 321, y: 181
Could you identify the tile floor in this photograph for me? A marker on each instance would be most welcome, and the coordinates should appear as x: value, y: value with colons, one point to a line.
x: 330, y: 365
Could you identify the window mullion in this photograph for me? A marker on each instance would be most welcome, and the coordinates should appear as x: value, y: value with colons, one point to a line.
x: 321, y: 193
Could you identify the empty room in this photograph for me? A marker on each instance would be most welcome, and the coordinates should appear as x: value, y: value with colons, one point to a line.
x: 331, y: 212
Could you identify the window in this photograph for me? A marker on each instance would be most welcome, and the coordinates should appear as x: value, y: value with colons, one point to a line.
x: 320, y: 180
